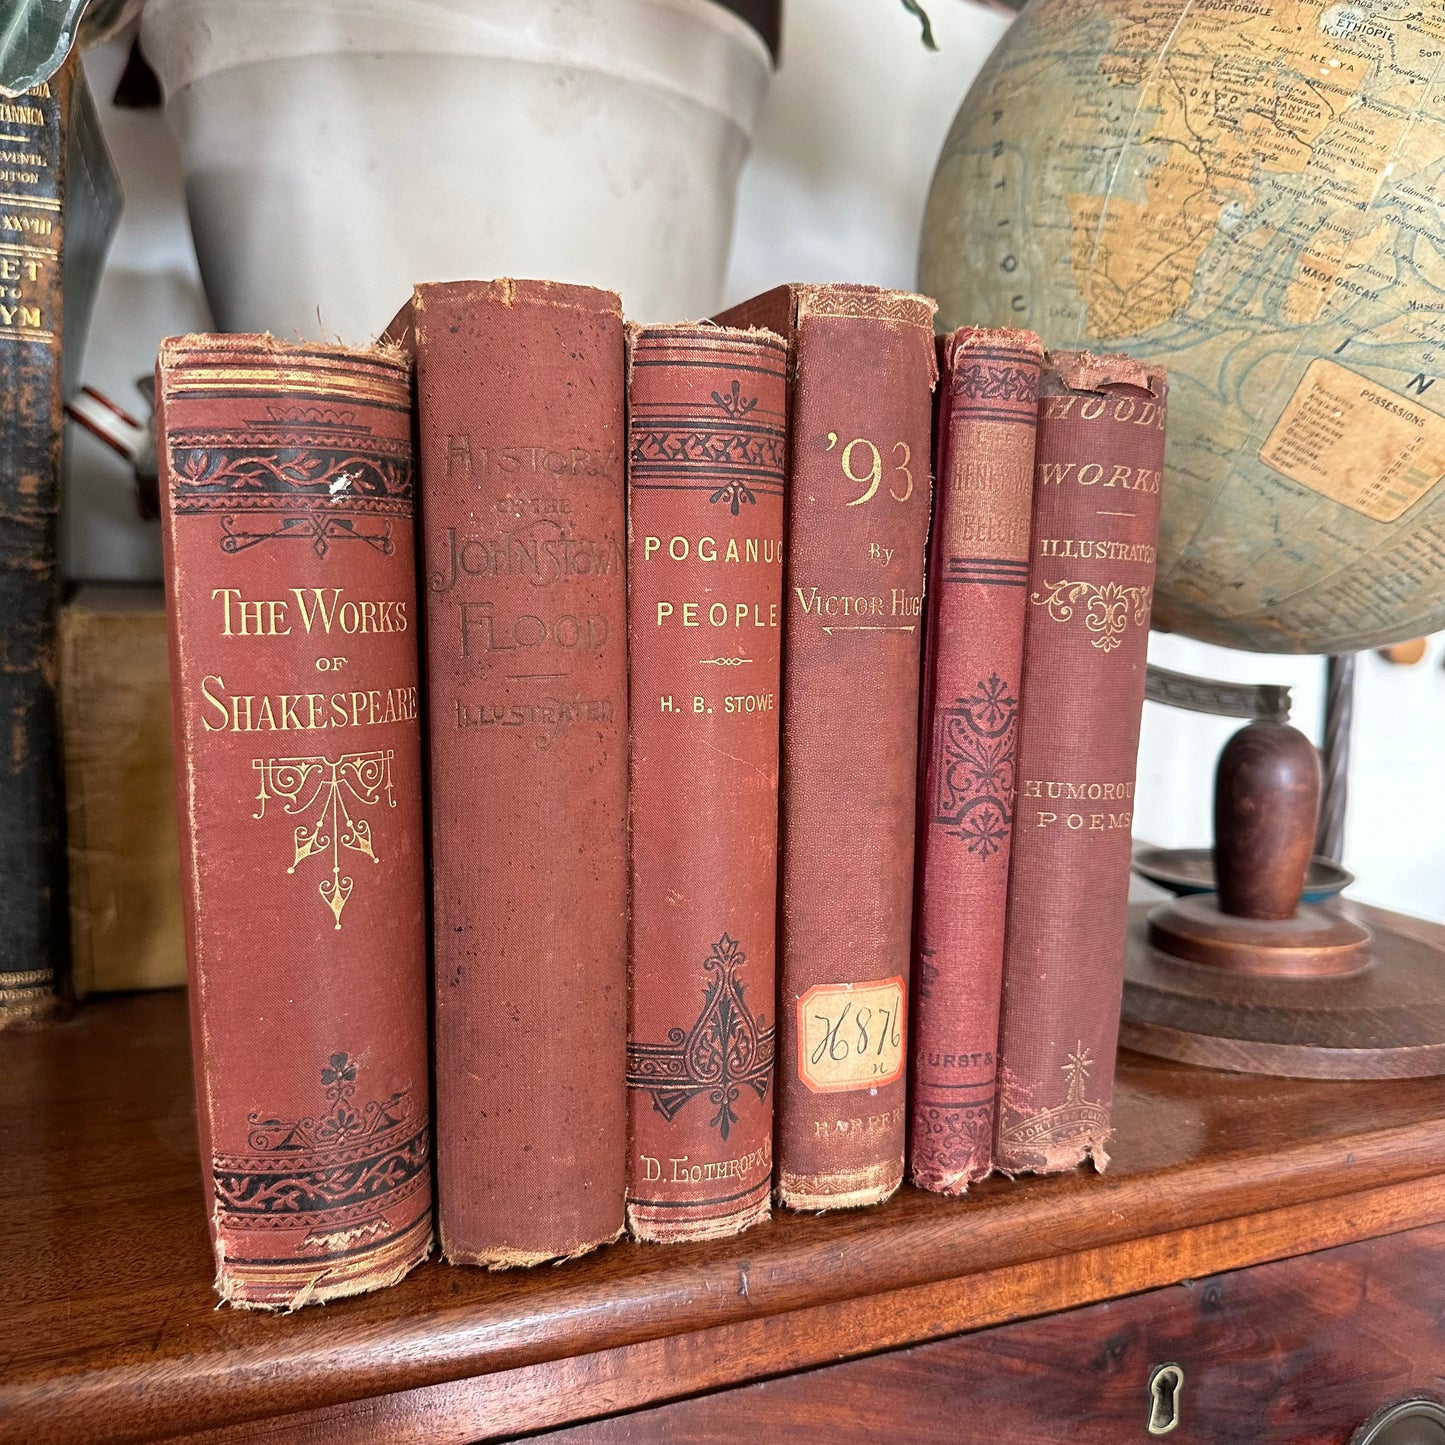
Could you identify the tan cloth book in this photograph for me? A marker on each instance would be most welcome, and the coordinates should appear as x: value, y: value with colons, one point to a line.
x: 115, y: 706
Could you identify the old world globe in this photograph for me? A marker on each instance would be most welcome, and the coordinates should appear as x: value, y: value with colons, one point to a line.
x: 1252, y: 193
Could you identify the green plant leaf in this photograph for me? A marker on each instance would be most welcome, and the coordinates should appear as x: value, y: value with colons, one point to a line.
x: 35, y: 36
x: 914, y: 8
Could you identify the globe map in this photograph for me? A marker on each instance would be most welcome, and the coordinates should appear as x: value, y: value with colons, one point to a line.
x: 1252, y: 193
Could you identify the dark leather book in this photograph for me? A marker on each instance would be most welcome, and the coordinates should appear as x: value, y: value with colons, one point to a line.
x: 1099, y: 465
x: 978, y: 590
x: 520, y: 414
x: 861, y: 396
x: 288, y: 504
x: 59, y: 202
x: 707, y: 434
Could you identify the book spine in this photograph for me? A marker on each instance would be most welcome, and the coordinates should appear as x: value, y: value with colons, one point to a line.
x: 520, y: 405
x: 291, y: 593
x: 120, y: 803
x: 1100, y: 458
x: 707, y: 432
x: 978, y: 585
x: 858, y: 502
x: 32, y: 227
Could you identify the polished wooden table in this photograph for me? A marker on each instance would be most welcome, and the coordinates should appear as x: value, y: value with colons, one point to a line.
x: 109, y: 1330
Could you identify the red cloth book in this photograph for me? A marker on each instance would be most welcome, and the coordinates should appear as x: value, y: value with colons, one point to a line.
x: 286, y: 479
x: 520, y: 419
x: 707, y: 437
x: 1099, y: 467
x: 978, y: 590
x: 862, y: 369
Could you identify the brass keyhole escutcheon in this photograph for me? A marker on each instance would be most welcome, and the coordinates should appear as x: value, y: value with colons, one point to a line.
x: 1166, y: 1385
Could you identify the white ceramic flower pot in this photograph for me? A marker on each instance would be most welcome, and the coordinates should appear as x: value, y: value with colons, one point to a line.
x: 338, y: 151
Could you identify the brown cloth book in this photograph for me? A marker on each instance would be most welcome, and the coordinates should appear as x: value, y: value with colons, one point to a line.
x: 1099, y: 466
x: 520, y: 417
x: 978, y: 590
x: 288, y: 503
x: 120, y: 791
x: 862, y: 369
x: 59, y: 202
x: 707, y: 436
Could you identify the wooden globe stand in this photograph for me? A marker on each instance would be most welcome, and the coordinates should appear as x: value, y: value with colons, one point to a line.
x: 1250, y: 979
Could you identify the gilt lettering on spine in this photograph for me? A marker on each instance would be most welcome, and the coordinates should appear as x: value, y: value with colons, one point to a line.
x: 289, y: 498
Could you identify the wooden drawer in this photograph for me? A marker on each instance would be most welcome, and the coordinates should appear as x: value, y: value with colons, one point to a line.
x: 1301, y: 1350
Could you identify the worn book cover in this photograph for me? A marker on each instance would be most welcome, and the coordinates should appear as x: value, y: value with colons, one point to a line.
x: 120, y: 791
x: 707, y: 435
x: 288, y: 503
x: 978, y: 590
x: 520, y: 393
x: 862, y: 370
x: 1099, y: 472
x: 59, y: 201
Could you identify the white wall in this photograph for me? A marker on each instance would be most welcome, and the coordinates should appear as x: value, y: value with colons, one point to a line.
x: 834, y: 191
x: 845, y: 148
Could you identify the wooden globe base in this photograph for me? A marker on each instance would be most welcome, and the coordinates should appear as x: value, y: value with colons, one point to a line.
x: 1315, y: 943
x: 1383, y: 1021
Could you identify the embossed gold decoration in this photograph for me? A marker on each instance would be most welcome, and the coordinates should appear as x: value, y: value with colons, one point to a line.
x: 727, y: 1049
x: 323, y: 792
x: 904, y: 307
x: 1077, y: 1117
x: 1109, y: 608
x: 324, y: 372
